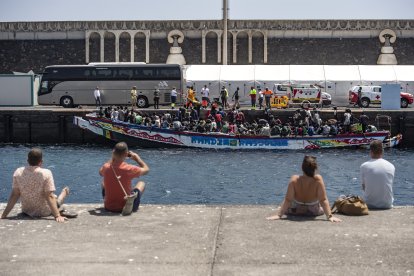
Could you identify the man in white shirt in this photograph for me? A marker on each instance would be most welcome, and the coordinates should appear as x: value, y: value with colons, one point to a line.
x: 205, y: 93
x: 377, y: 176
x: 97, y: 95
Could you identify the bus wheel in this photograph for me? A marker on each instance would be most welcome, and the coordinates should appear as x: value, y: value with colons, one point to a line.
x: 66, y: 101
x: 142, y: 102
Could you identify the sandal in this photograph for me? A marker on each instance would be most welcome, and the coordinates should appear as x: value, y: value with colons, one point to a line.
x: 129, y: 204
x: 68, y: 214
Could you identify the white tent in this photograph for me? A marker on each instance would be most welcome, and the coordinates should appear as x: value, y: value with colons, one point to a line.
x: 339, y: 79
x: 241, y: 76
x: 307, y: 74
x: 268, y: 75
x: 200, y: 75
x: 405, y: 76
x: 377, y: 74
x: 336, y: 79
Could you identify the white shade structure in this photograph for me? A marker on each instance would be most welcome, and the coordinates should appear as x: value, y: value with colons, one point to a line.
x: 334, y: 79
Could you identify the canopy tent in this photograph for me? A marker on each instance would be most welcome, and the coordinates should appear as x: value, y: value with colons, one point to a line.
x: 307, y: 74
x: 377, y: 74
x: 335, y: 79
x: 339, y: 79
x: 200, y: 75
x: 405, y: 76
x: 241, y: 76
x: 268, y: 75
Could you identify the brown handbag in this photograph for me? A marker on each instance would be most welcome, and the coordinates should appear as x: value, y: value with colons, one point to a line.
x: 350, y: 205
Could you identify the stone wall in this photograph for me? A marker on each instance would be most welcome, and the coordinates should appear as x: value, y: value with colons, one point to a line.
x: 25, y: 55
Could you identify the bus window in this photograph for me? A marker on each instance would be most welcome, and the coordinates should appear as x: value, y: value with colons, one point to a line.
x: 147, y: 73
x: 103, y: 73
x: 125, y: 74
x: 168, y: 73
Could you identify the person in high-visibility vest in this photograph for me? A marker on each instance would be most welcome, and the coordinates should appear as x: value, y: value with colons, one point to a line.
x: 224, y: 94
x: 253, y: 93
x: 268, y: 95
x: 190, y: 97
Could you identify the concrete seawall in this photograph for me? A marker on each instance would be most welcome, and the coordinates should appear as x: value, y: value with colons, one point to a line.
x: 54, y: 125
x: 207, y: 240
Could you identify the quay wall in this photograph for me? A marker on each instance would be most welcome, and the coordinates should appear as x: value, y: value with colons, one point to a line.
x: 54, y: 126
x: 28, y: 46
x: 26, y: 55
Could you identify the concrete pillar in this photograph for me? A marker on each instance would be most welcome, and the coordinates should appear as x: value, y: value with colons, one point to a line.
x: 219, y: 34
x: 132, y: 45
x: 102, y: 34
x: 249, y: 33
x: 265, y: 47
x: 87, y: 34
x: 225, y: 21
x: 203, y: 46
x: 234, y: 46
x: 147, y: 45
x: 117, y: 46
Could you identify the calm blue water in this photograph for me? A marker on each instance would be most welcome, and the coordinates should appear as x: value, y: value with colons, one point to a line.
x: 208, y: 177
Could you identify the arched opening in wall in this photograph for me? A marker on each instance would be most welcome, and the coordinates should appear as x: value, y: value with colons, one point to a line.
x: 139, y: 47
x: 242, y: 48
x: 211, y: 48
x: 125, y: 47
x: 109, y: 46
x: 94, y: 47
x: 257, y: 47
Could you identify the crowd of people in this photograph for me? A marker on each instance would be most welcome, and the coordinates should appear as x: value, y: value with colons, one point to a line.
x: 304, y: 122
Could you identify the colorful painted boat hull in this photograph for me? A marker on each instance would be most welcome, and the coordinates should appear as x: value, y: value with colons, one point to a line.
x: 156, y: 137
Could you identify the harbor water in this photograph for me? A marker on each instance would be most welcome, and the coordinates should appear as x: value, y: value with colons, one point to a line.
x: 188, y: 176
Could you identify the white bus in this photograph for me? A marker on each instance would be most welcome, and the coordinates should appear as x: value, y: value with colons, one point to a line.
x: 71, y: 85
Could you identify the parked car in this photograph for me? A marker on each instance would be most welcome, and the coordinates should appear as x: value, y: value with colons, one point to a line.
x: 371, y: 94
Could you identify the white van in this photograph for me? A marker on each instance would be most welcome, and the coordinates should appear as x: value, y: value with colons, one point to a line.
x: 371, y: 94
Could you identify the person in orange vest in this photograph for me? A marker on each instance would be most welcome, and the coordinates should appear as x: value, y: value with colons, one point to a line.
x: 268, y: 94
x: 190, y: 97
x: 253, y: 93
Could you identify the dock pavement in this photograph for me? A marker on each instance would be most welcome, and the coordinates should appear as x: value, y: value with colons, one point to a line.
x: 206, y: 240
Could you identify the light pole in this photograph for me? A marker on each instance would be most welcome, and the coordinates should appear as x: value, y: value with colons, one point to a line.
x: 225, y: 18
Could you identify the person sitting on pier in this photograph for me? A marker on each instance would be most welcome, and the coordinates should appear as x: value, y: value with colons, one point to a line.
x: 117, y: 176
x: 35, y: 187
x: 306, y: 194
x: 377, y: 177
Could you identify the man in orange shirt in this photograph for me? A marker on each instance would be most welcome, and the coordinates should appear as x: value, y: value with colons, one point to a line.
x: 268, y: 94
x: 117, y: 172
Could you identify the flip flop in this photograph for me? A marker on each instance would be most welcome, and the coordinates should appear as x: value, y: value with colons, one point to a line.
x: 68, y: 214
x: 129, y: 204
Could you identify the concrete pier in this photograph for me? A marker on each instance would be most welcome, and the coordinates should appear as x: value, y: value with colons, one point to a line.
x: 207, y: 240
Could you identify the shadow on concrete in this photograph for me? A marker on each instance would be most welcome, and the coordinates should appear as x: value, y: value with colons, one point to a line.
x: 304, y: 218
x: 24, y: 216
x: 102, y: 212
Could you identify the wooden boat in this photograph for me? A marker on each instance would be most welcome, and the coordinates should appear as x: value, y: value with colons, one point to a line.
x: 144, y: 136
